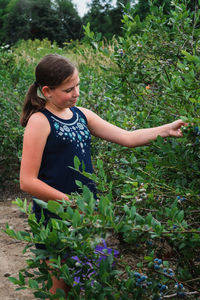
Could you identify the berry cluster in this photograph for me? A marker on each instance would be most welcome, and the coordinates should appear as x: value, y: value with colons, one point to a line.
x: 162, y: 287
x: 158, y: 265
x: 141, y: 280
x: 180, y: 199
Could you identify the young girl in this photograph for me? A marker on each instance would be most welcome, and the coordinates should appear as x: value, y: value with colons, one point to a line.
x: 57, y: 131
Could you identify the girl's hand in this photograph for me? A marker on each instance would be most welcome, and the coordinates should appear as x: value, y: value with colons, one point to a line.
x: 175, y: 128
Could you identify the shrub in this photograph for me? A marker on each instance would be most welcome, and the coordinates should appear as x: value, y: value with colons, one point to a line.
x: 148, y: 196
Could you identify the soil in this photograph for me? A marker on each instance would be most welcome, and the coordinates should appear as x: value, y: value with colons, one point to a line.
x: 11, y: 257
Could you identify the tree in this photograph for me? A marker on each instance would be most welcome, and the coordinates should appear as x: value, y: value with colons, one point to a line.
x: 70, y: 22
x: 16, y: 21
x: 3, y: 5
x: 99, y: 17
x: 105, y: 18
x: 30, y: 19
x: 116, y: 15
x: 143, y: 7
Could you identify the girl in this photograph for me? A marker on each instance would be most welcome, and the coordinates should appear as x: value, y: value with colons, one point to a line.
x: 57, y: 131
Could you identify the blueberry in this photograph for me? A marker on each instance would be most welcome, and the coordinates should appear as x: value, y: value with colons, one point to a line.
x: 156, y: 267
x: 156, y: 260
x: 136, y: 274
x: 163, y: 287
x: 179, y: 286
x: 143, y: 278
x: 165, y: 270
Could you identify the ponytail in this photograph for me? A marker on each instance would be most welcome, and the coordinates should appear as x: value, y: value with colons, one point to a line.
x: 32, y: 103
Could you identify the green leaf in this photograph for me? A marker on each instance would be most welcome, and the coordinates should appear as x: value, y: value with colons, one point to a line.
x: 54, y: 207
x: 140, y: 265
x: 65, y: 271
x: 33, y: 284
x: 126, y: 209
x: 21, y: 278
x: 133, y: 212
x: 41, y: 203
x: 41, y: 295
x: 180, y: 216
x: 77, y: 163
x: 182, y: 245
x: 21, y: 288
x: 148, y: 258
x: 149, y: 219
x: 76, y: 219
x: 14, y: 280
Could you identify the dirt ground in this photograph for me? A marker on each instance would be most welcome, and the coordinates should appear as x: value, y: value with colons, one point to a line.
x: 11, y: 257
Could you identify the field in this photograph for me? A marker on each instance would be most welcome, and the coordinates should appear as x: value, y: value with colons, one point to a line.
x: 149, y: 196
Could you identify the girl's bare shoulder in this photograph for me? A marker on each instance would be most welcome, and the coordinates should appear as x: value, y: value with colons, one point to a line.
x: 87, y: 112
x: 38, y: 121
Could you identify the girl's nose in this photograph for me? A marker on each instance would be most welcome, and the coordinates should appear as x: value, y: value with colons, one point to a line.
x: 76, y: 91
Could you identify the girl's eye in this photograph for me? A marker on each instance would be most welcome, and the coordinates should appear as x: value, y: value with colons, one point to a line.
x: 69, y: 90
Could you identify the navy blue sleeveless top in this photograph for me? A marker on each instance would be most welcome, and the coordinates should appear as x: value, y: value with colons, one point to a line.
x: 67, y: 139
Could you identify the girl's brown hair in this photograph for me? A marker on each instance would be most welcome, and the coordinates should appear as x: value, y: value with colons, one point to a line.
x: 51, y: 71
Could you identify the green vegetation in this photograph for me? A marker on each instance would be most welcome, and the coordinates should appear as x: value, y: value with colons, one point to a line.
x: 148, y: 196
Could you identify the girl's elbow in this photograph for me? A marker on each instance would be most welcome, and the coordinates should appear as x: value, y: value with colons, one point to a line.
x: 128, y: 140
x: 23, y: 185
x: 128, y: 143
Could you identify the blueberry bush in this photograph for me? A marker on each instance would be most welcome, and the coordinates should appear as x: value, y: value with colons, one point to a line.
x: 148, y: 196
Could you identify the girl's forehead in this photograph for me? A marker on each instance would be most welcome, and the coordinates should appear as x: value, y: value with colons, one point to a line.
x: 72, y: 79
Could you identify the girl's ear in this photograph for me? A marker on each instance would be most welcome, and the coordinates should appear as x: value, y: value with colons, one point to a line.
x: 46, y: 91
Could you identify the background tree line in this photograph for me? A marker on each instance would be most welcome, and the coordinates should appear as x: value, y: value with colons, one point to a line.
x: 58, y: 20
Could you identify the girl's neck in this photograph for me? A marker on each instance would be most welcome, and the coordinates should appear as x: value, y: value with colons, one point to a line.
x: 63, y: 113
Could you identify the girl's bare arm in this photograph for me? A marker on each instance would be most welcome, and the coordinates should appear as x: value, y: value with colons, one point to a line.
x: 101, y: 128
x: 35, y: 136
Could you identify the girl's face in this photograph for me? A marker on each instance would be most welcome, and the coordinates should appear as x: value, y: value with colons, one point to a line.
x: 66, y: 94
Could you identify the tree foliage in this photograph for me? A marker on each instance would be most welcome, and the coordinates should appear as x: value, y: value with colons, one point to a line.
x: 33, y: 19
x: 104, y: 18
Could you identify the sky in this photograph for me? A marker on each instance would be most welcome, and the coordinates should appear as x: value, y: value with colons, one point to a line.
x: 82, y: 6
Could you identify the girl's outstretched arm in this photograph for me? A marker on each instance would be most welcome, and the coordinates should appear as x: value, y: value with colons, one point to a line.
x: 101, y: 128
x: 35, y: 136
